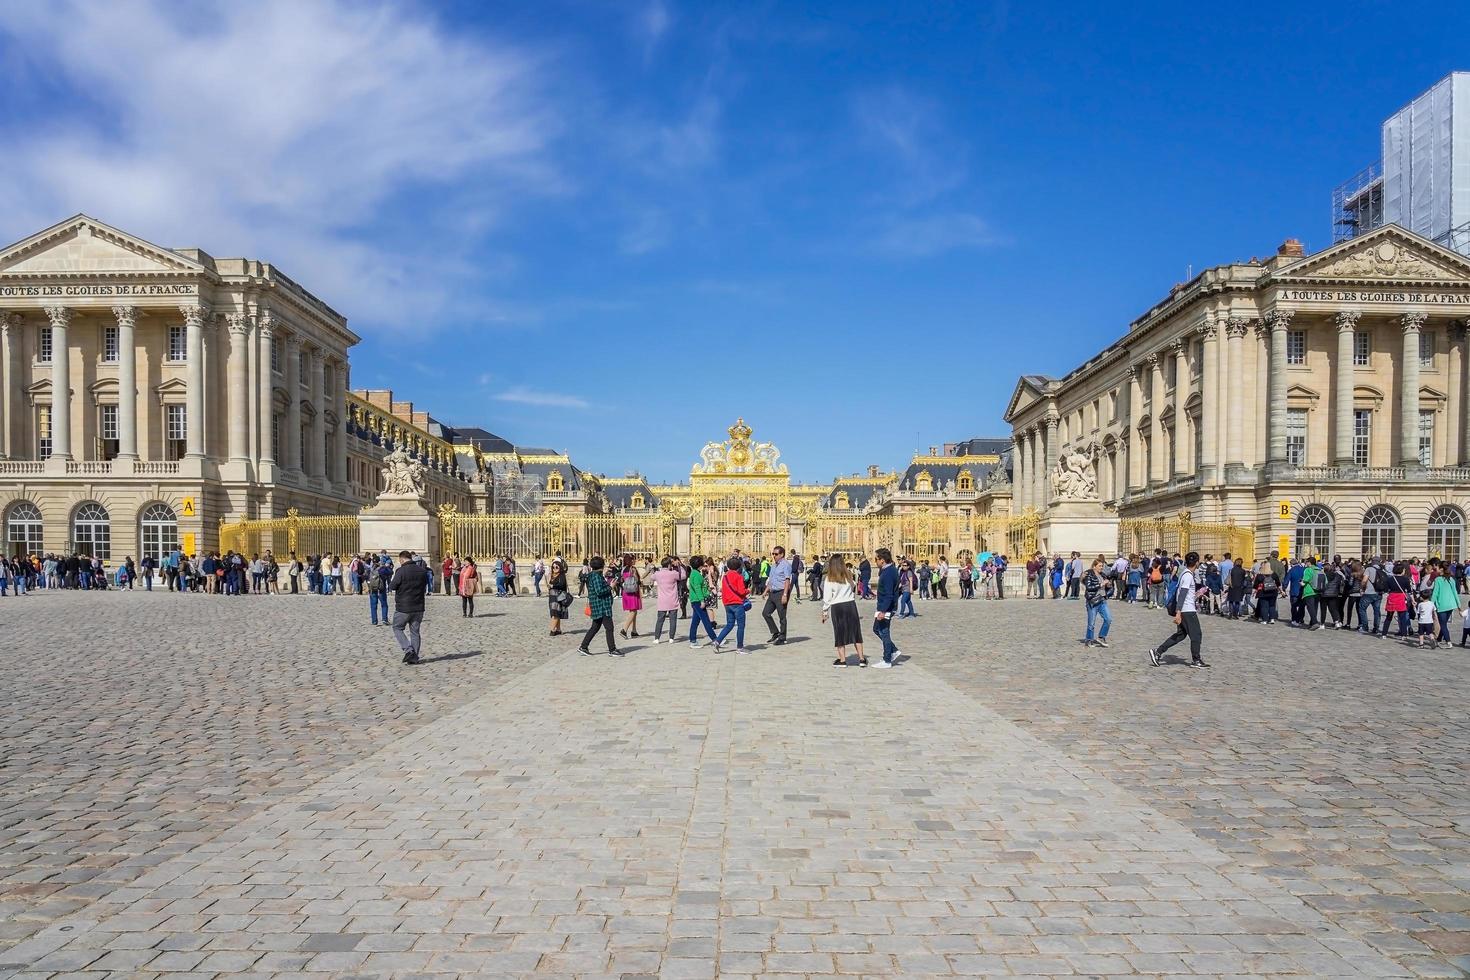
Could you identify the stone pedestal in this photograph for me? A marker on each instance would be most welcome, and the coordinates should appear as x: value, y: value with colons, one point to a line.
x: 399, y: 522
x: 1078, y: 525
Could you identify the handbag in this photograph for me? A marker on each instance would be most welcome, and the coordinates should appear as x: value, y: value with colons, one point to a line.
x: 746, y: 605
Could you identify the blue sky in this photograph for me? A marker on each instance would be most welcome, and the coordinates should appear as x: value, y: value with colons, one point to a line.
x: 613, y: 227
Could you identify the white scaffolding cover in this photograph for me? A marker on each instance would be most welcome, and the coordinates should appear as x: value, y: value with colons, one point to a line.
x: 1426, y: 160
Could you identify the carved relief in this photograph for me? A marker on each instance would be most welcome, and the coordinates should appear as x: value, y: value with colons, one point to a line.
x: 1386, y: 260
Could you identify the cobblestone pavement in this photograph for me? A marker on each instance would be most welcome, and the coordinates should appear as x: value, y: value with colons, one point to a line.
x: 1005, y: 803
x: 138, y: 725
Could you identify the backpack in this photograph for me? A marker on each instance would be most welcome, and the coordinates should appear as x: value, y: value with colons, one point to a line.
x: 1156, y: 575
x: 630, y: 583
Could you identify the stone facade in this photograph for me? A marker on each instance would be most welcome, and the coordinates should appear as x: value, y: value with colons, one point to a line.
x: 1318, y: 401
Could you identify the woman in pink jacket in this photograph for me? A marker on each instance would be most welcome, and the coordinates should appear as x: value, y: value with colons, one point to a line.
x: 666, y: 581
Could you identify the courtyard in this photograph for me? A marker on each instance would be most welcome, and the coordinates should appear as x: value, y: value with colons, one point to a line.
x: 200, y: 785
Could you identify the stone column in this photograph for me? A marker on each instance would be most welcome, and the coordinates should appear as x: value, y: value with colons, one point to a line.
x: 1278, y: 321
x: 237, y: 406
x: 1033, y: 466
x: 291, y: 438
x: 1235, y: 389
x: 339, y: 404
x: 11, y: 393
x: 1413, y: 323
x: 316, y: 453
x: 1134, y: 477
x: 1052, y: 446
x: 1125, y: 419
x: 127, y: 382
x: 1018, y: 476
x: 1465, y: 395
x: 265, y: 327
x: 60, y: 318
x: 1155, y: 423
x: 1181, y: 445
x: 1260, y: 439
x: 194, y: 317
x: 1342, y: 416
x: 1209, y: 410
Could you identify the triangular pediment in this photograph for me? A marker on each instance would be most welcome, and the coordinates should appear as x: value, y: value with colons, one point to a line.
x: 85, y: 246
x: 1030, y: 389
x: 1387, y: 254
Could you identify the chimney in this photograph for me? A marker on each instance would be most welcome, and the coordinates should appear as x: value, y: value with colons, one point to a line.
x: 873, y: 469
x: 1291, y: 248
x: 933, y: 450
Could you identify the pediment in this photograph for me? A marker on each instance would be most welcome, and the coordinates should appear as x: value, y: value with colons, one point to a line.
x: 1029, y: 390
x: 1387, y: 254
x: 82, y: 245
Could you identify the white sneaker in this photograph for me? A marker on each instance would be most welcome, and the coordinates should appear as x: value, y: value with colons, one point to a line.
x: 883, y: 665
x: 693, y: 645
x: 742, y: 651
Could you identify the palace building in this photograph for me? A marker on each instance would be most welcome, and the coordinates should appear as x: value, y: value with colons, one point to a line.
x: 1317, y: 403
x: 151, y: 393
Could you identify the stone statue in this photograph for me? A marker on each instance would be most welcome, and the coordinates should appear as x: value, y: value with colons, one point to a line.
x: 1074, y: 479
x: 403, y: 476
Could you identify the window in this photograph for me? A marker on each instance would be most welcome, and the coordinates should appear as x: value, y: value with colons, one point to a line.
x: 301, y: 367
x: 554, y: 483
x: 1446, y: 534
x: 1296, y: 347
x: 843, y: 502
x: 275, y: 435
x: 1196, y: 358
x: 91, y: 531
x: 110, y: 345
x: 175, y: 430
x: 160, y: 531
x: 276, y: 354
x: 1426, y: 437
x: 23, y: 529
x: 43, y: 346
x: 637, y: 533
x: 1296, y: 436
x: 966, y: 480
x: 1426, y: 348
x: 43, y: 431
x: 924, y: 482
x: 1313, y: 531
x: 178, y: 344
x: 107, y: 431
x: 1199, y: 442
x: 302, y: 438
x: 1362, y: 348
x: 1362, y: 435
x: 1380, y: 532
x: 637, y: 503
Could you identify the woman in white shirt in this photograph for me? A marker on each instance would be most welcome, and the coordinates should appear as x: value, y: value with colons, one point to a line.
x: 839, y: 601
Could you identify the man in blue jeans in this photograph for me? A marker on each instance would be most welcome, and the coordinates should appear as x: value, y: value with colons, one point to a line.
x: 887, y: 604
x: 378, y: 589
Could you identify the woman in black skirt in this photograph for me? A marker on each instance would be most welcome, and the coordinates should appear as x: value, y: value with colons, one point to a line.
x: 839, y: 601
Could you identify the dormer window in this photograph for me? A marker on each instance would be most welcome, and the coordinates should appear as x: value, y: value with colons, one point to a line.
x: 966, y: 480
x: 924, y: 482
x: 554, y: 483
x: 637, y: 503
x: 843, y: 503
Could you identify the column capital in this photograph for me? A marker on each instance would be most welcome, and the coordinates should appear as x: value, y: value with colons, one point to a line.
x: 1236, y: 326
x: 265, y: 322
x: 1176, y: 347
x: 1413, y: 322
x: 195, y: 314
x: 1129, y: 373
x: 1209, y: 330
x: 291, y: 340
x: 126, y: 316
x: 1151, y: 361
x: 1347, y: 320
x: 1052, y: 420
x: 60, y: 316
x: 1279, y: 319
x: 8, y: 320
x: 1262, y: 328
x: 239, y: 324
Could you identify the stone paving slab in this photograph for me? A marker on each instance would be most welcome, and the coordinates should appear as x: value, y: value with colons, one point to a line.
x: 682, y: 814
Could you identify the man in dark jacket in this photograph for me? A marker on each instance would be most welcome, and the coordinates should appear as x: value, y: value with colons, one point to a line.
x: 409, y: 584
x: 887, y: 604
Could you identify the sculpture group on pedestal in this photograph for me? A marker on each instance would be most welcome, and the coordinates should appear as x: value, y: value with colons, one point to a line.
x: 1074, y: 477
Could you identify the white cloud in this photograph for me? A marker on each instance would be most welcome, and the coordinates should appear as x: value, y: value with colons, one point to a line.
x: 651, y: 24
x: 936, y: 233
x: 923, y: 158
x: 521, y: 395
x: 298, y: 133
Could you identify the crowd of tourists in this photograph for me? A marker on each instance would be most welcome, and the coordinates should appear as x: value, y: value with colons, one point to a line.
x: 1413, y: 600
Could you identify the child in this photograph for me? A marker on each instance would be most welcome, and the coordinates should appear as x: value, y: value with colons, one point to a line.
x: 1427, y: 618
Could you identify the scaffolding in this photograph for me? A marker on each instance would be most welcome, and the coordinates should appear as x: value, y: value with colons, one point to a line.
x: 513, y: 491
x: 1357, y: 204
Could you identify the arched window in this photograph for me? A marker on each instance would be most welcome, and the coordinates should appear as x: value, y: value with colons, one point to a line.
x: 1380, y: 532
x: 924, y: 482
x: 758, y: 543
x: 554, y: 483
x: 1447, y: 533
x: 966, y: 480
x: 843, y: 501
x: 637, y: 503
x: 1313, y: 531
x: 159, y: 531
x: 23, y: 529
x: 91, y: 531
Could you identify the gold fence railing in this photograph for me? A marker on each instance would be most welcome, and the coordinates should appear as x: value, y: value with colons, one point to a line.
x: 573, y: 536
x: 1182, y: 534
x: 337, y: 534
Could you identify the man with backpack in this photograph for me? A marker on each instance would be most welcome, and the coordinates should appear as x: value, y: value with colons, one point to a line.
x: 378, y: 589
x: 1186, y: 617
